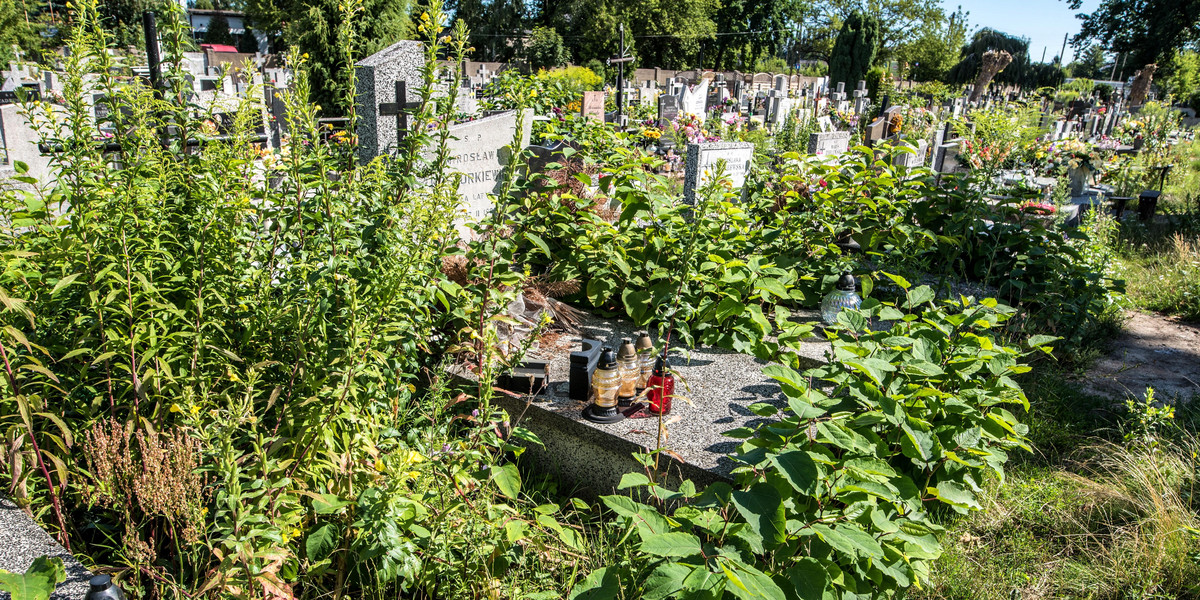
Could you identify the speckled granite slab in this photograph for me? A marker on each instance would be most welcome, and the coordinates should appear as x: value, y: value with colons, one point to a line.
x: 21, y: 541
x: 720, y: 385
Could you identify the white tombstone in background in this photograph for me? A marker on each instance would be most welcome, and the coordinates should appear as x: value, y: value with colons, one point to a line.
x: 694, y: 99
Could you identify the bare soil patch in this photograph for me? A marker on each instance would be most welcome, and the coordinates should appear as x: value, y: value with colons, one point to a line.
x: 1151, y: 351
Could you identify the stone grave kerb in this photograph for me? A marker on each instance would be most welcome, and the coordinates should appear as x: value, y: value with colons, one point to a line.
x: 377, y: 76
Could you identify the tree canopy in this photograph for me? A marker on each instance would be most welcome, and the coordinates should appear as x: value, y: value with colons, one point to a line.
x: 1150, y: 30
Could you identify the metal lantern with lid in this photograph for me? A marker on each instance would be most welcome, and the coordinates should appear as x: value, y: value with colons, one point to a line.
x: 843, y: 296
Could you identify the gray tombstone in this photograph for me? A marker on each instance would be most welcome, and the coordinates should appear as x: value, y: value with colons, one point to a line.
x: 702, y: 159
x: 830, y: 143
x: 912, y: 161
x: 945, y: 158
x: 877, y: 130
x: 377, y: 76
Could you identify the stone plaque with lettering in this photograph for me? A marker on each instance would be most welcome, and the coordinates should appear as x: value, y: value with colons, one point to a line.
x: 831, y: 143
x: 481, y: 152
x: 593, y: 106
x: 702, y: 162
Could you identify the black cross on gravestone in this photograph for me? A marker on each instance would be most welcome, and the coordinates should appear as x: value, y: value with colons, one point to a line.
x: 399, y: 109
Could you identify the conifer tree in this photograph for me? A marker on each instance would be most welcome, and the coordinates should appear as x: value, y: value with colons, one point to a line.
x: 854, y: 50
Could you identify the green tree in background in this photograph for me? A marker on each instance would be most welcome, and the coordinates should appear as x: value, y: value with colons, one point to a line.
x: 496, y: 26
x: 546, y: 49
x: 14, y: 31
x: 247, y: 43
x: 218, y: 31
x: 312, y: 27
x: 935, y: 50
x: 124, y: 20
x: 1151, y: 30
x: 1090, y: 63
x: 1183, y: 81
x: 753, y: 30
x: 900, y: 21
x: 854, y: 51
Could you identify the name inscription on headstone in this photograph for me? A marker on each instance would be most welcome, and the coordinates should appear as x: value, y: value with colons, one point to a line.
x: 480, y: 153
x: 592, y: 106
x: 831, y: 143
x: 702, y: 162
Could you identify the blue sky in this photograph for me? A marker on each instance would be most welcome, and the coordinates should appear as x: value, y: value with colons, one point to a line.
x: 1042, y: 21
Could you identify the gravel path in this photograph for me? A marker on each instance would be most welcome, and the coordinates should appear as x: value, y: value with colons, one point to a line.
x: 21, y: 541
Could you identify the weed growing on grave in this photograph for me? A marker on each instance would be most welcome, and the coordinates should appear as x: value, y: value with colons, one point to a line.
x: 839, y: 495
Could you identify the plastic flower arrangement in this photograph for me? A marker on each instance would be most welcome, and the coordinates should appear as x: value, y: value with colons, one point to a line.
x: 1072, y: 154
x: 690, y: 127
x: 651, y: 134
x: 1038, y: 208
x: 917, y: 122
x: 982, y: 155
x: 847, y: 120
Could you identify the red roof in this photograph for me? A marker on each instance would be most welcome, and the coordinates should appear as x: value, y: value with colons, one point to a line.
x: 218, y: 47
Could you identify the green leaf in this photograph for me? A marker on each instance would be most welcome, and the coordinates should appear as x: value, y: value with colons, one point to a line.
x: 672, y: 544
x: 750, y: 583
x: 666, y: 580
x: 835, y: 539
x: 772, y: 286
x: 327, y: 504
x: 321, y: 542
x: 799, y: 469
x: 899, y: 281
x: 864, y: 544
x: 809, y: 578
x: 1038, y: 341
x: 515, y: 530
x: 638, y: 305
x: 629, y: 480
x: 842, y: 437
x: 729, y: 306
x: 958, y: 497
x: 601, y: 584
x: 762, y: 508
x: 918, y: 296
x: 37, y: 583
x: 64, y: 282
x: 874, y: 368
x: 539, y: 242
x: 508, y: 479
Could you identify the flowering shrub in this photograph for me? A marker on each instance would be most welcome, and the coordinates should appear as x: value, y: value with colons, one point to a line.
x: 982, y: 155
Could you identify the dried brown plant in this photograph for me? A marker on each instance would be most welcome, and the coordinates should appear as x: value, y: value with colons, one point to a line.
x: 159, y: 480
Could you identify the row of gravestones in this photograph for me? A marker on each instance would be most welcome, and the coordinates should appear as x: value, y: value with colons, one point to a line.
x: 479, y: 149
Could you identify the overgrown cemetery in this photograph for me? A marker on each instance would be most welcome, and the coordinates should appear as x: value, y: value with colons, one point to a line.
x: 423, y: 327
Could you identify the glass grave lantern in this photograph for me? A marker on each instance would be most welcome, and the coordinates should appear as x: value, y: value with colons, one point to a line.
x: 606, y: 382
x: 843, y: 296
